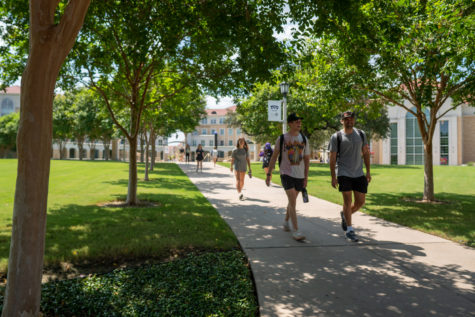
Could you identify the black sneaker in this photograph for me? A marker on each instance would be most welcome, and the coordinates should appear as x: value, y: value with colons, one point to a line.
x: 343, y: 221
x: 352, y: 236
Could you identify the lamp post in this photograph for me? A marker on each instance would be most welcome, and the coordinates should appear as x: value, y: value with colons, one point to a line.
x: 284, y: 89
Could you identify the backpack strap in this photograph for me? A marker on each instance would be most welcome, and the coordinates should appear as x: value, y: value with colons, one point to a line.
x: 338, y: 142
x: 281, y: 142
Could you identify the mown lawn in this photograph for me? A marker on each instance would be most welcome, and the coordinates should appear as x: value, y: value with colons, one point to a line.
x: 204, y: 272
x: 393, y: 191
x: 79, y: 230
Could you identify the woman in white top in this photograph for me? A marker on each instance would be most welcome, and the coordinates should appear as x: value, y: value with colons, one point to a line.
x: 214, y: 155
x: 239, y: 159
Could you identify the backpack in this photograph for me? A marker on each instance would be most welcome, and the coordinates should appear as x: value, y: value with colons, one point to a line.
x: 339, y: 137
x: 281, y: 141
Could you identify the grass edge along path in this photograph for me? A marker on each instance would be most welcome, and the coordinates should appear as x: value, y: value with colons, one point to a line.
x: 394, y: 190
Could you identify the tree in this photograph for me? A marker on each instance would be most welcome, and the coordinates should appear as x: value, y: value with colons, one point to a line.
x: 8, y: 133
x: 85, y: 122
x: 53, y: 27
x: 62, y: 121
x: 417, y: 55
x: 125, y: 45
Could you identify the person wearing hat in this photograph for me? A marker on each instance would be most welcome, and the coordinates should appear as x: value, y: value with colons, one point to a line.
x: 266, y: 156
x: 294, y: 165
x: 348, y: 148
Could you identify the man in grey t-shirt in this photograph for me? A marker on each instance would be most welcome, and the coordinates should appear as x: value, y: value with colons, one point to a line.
x: 346, y: 148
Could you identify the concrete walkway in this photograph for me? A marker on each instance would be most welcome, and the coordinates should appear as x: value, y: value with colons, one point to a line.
x: 392, y: 271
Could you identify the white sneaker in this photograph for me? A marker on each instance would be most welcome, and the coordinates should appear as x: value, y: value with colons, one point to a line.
x: 297, y: 235
x: 286, y: 226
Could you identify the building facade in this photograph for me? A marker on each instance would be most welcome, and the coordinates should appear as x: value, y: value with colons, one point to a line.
x: 213, y: 131
x: 9, y: 100
x: 453, y: 140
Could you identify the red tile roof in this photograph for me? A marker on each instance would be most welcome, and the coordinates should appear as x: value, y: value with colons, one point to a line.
x: 11, y: 90
x: 220, y: 112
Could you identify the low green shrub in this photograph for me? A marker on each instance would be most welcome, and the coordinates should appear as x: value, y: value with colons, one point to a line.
x: 210, y: 284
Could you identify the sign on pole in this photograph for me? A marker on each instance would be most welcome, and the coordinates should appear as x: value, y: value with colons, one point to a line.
x: 274, y: 112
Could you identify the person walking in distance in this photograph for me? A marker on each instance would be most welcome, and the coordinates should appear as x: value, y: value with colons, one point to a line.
x: 187, y: 153
x: 293, y: 151
x: 199, y: 157
x: 239, y: 162
x: 214, y: 155
x: 347, y: 147
x: 266, y: 156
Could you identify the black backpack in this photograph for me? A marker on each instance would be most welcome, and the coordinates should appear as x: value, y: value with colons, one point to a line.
x: 281, y: 141
x: 339, y: 137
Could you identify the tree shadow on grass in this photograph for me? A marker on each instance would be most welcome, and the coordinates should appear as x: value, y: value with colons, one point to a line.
x: 455, y: 216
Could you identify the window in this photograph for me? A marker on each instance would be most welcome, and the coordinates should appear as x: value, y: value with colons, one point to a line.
x: 204, y: 131
x: 160, y: 142
x: 230, y: 142
x: 195, y: 132
x: 204, y: 121
x: 213, y: 131
x: 221, y: 142
x: 393, y: 143
x: 211, y: 143
x: 444, y: 142
x: 203, y: 142
x: 221, y: 131
x: 230, y: 131
x: 221, y: 120
x: 193, y: 143
x: 213, y: 121
x: 7, y: 107
x: 414, y: 144
x: 238, y: 131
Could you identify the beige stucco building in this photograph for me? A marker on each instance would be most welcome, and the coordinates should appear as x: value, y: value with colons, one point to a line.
x: 213, y: 128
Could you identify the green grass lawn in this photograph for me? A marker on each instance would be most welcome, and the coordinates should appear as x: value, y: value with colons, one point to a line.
x: 205, y: 272
x: 79, y: 230
x: 392, y: 189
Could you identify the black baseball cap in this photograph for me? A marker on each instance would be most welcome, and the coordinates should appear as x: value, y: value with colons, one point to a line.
x: 293, y: 117
x: 347, y: 114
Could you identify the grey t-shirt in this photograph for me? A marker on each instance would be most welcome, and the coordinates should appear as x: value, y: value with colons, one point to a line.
x: 350, y: 162
x: 240, y: 162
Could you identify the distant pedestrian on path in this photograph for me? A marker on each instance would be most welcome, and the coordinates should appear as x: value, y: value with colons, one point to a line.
x: 294, y: 159
x: 214, y: 155
x: 239, y: 162
x: 346, y: 148
x: 199, y: 158
x: 266, y: 157
x: 187, y: 153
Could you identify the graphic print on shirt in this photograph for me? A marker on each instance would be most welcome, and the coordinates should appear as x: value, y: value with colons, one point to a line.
x: 295, y: 151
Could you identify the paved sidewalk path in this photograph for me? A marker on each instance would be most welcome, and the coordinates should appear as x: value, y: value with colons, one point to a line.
x: 392, y: 271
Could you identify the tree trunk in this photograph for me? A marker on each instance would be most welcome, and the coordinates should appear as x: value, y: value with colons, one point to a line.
x: 49, y: 45
x: 141, y: 147
x: 147, y: 145
x: 153, y: 138
x: 106, y: 149
x: 428, y: 173
x: 132, y: 188
x: 81, y: 148
x: 92, y: 150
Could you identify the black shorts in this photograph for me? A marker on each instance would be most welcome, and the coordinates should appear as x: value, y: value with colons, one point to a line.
x: 289, y: 182
x: 359, y: 184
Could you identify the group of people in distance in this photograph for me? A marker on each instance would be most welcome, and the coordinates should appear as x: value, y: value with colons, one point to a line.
x: 348, y: 151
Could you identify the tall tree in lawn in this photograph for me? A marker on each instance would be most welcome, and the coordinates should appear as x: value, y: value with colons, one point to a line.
x: 413, y: 54
x: 223, y: 45
x: 62, y: 120
x: 8, y: 133
x: 84, y: 119
x: 53, y: 27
